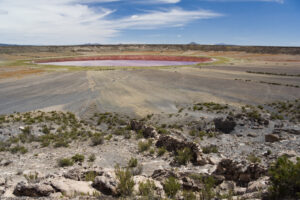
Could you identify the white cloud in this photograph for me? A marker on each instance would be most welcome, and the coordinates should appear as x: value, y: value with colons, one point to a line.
x: 72, y: 22
x: 173, y: 17
x: 277, y: 1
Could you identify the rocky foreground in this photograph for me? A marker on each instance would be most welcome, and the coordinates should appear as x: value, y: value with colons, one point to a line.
x: 204, y: 151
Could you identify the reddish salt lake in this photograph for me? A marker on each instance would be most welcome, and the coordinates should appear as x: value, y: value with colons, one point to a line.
x: 133, y: 63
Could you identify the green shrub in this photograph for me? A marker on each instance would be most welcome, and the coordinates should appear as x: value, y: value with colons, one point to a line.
x: 275, y: 116
x: 210, y: 149
x: 78, y: 158
x: 147, y: 188
x: 126, y: 183
x: 65, y: 162
x: 18, y: 149
x: 162, y: 131
x: 45, y: 129
x: 161, y: 151
x: 171, y: 187
x: 27, y: 130
x: 189, y: 195
x: 132, y: 162
x: 97, y: 139
x: 92, y: 158
x: 254, y: 159
x: 90, y: 176
x: 183, y: 156
x: 207, y: 192
x: 61, y: 143
x: 285, y: 179
x: 144, y: 146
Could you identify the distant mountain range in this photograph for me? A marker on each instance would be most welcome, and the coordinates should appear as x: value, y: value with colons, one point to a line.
x: 8, y: 44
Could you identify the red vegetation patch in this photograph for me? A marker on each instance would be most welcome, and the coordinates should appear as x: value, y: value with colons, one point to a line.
x: 131, y: 57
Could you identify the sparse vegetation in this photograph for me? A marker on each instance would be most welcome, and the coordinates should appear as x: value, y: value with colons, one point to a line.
x: 144, y: 146
x: 183, y: 156
x: 133, y: 162
x: 161, y: 151
x: 254, y: 159
x: 171, y: 187
x: 78, y: 158
x: 92, y: 158
x: 147, y: 188
x: 285, y: 179
x: 97, y: 139
x: 65, y: 162
x: 126, y: 182
x: 210, y: 149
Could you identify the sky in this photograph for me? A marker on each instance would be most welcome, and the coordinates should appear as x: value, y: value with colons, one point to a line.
x: 71, y: 22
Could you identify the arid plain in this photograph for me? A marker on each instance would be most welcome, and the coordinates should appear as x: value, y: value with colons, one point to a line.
x: 227, y: 129
x: 27, y: 87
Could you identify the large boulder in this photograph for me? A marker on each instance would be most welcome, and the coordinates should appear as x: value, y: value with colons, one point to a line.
x: 174, y: 144
x: 241, y: 173
x: 78, y: 174
x: 149, y: 131
x: 158, y: 188
x: 106, y: 183
x: 33, y: 190
x: 71, y: 187
x: 272, y: 138
x: 136, y: 125
x: 225, y: 125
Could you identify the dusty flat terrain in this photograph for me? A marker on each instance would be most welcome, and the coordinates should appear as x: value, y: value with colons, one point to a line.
x: 143, y: 91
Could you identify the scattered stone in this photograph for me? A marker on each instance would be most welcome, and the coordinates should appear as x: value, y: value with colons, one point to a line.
x: 107, y: 184
x: 5, y: 162
x: 225, y: 126
x: 258, y: 185
x: 272, y: 138
x: 33, y: 190
x: 136, y: 125
x: 241, y: 173
x: 174, y: 144
x: 150, y: 131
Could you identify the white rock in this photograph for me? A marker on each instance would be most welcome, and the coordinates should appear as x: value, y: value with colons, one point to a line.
x: 70, y: 187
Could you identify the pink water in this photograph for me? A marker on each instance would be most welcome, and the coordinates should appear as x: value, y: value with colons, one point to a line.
x: 109, y: 63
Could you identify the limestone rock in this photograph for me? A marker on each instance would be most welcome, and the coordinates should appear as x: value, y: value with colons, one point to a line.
x: 71, y: 187
x: 107, y: 183
x: 32, y: 190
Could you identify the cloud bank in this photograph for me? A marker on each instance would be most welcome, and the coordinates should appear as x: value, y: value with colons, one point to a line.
x: 77, y: 21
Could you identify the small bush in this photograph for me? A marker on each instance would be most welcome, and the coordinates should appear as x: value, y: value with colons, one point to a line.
x: 92, y: 158
x: 126, y: 183
x: 161, y: 151
x: 61, y: 143
x: 254, y: 159
x: 207, y: 192
x: 285, y: 179
x: 147, y: 188
x: 171, y: 187
x: 144, y: 146
x: 132, y: 162
x: 65, y: 162
x: 189, y: 195
x: 97, y: 139
x: 78, y: 158
x: 90, y: 176
x: 18, y: 149
x: 210, y: 149
x: 183, y: 156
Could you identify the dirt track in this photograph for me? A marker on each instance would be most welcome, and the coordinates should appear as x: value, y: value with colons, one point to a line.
x: 144, y: 91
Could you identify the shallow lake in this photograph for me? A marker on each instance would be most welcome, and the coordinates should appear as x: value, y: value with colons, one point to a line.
x: 133, y: 63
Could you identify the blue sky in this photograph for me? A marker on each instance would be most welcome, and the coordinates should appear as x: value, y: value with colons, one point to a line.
x: 59, y: 22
